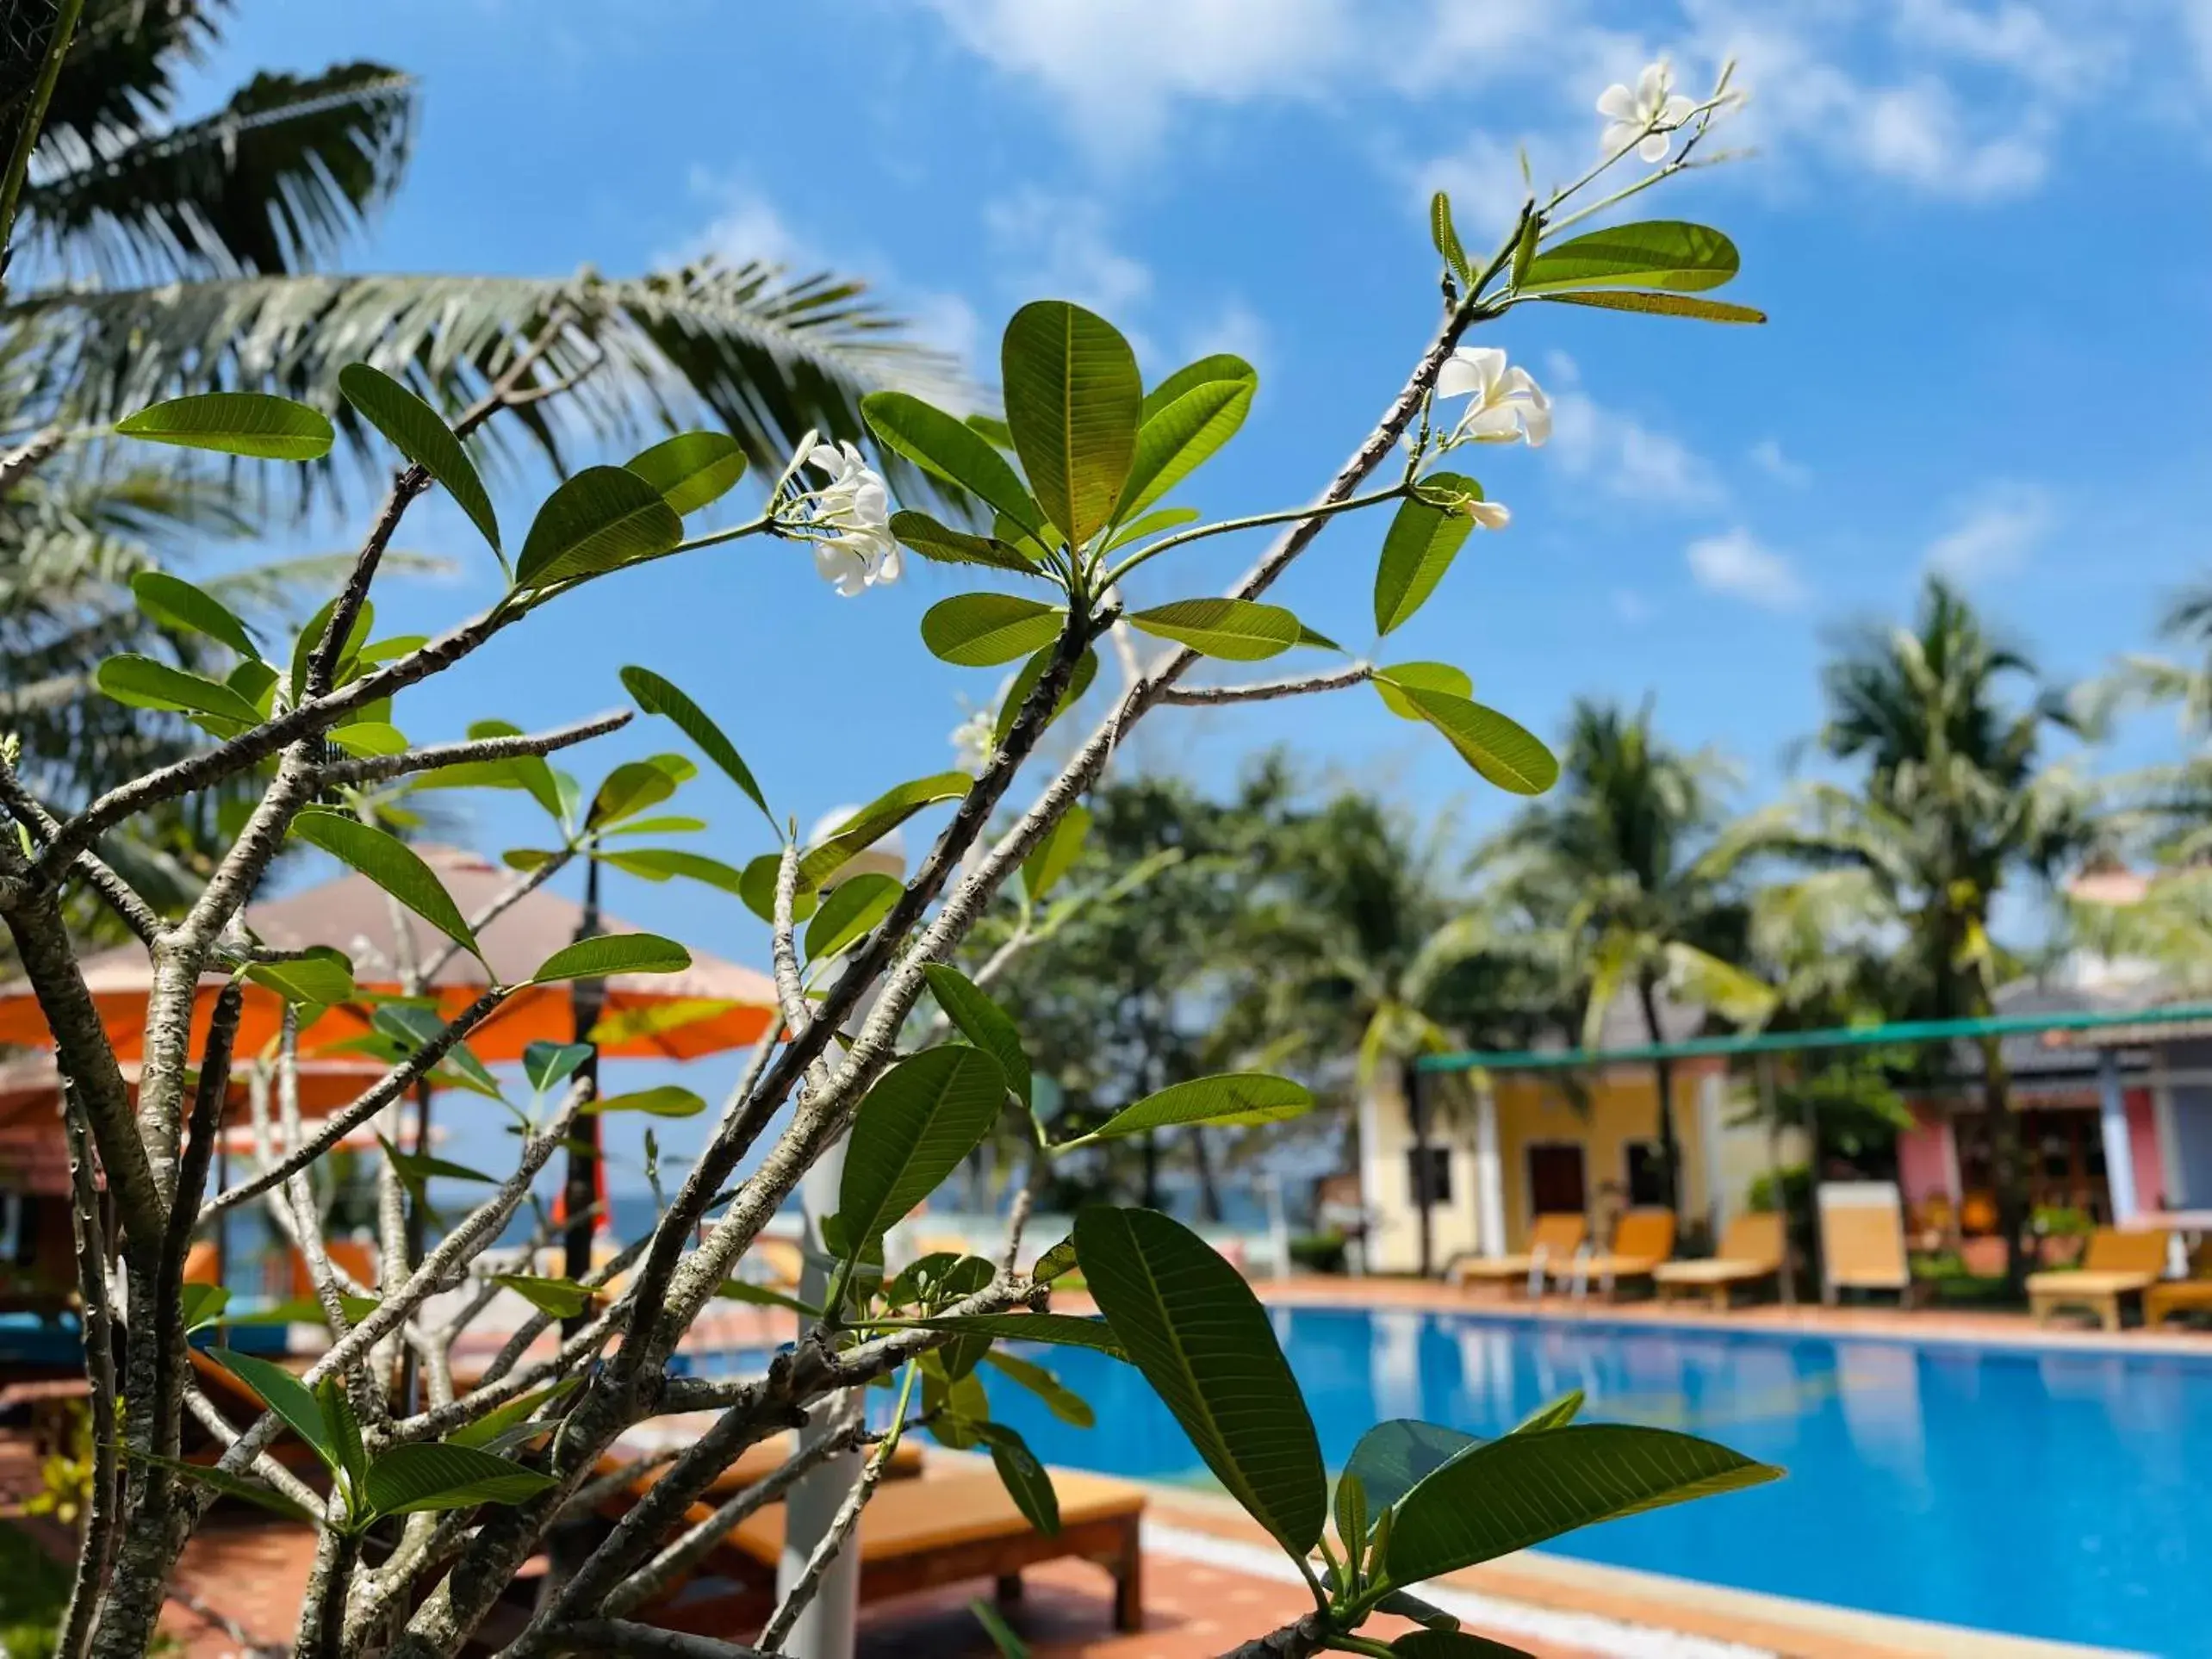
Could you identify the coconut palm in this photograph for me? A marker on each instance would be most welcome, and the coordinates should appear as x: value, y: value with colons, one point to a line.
x: 1611, y: 865
x: 153, y: 257
x: 1950, y: 726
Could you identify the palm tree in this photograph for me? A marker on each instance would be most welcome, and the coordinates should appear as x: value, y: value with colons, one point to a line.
x: 1611, y: 866
x: 151, y: 258
x: 168, y: 257
x: 1954, y: 803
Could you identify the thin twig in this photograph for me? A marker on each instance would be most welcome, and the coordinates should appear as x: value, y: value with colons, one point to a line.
x: 373, y: 768
x: 1267, y: 690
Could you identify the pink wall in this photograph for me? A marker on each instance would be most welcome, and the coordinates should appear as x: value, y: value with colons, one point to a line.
x: 2143, y: 1142
x: 1923, y: 1157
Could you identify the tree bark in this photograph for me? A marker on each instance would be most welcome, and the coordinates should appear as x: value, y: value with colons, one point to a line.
x: 2007, y: 1176
x: 1662, y: 1072
x: 1210, y: 1186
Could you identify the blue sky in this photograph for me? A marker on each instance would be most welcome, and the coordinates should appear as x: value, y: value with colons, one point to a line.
x: 1979, y: 229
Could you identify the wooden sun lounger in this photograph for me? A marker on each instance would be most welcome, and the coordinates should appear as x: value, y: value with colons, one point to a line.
x: 1553, y: 1238
x: 918, y: 1534
x: 1862, y: 1240
x: 1642, y: 1239
x: 2163, y: 1301
x: 2117, y: 1265
x: 1751, y: 1250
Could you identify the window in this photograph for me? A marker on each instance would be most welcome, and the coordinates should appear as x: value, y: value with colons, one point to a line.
x: 1428, y: 1175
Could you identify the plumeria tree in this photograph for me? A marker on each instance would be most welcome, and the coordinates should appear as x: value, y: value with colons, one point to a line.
x: 431, y: 1498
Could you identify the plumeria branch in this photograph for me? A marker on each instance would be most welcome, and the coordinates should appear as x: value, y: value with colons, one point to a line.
x: 374, y: 769
x: 1267, y: 690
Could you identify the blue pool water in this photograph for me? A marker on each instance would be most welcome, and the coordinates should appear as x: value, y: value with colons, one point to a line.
x: 2064, y: 1495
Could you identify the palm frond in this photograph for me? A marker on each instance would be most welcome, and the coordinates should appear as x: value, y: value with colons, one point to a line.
x: 274, y: 181
x: 765, y: 358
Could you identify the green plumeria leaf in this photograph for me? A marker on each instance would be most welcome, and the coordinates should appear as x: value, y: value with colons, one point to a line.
x: 286, y: 1395
x: 561, y: 1298
x: 426, y: 1475
x: 236, y: 423
x: 1392, y: 683
x: 1510, y: 1494
x: 369, y: 737
x: 598, y: 521
x: 1446, y: 236
x: 1236, y: 630
x: 979, y: 630
x: 1422, y: 542
x: 1069, y: 1406
x: 610, y: 953
x: 319, y: 977
x: 923, y: 1115
x: 1150, y: 524
x: 303, y: 648
x: 1656, y: 253
x: 345, y: 1430
x: 493, y: 1424
x: 944, y: 545
x: 201, y: 1305
x: 1504, y: 753
x: 1453, y: 1644
x: 548, y: 1065
x: 1661, y: 305
x: 391, y: 864
x: 1073, y: 399
x: 1057, y: 1263
x: 983, y: 1023
x: 636, y: 784
x: 1193, y: 1326
x: 1560, y: 1412
x: 658, y: 696
x: 762, y: 1295
x: 175, y: 603
x: 851, y: 908
x: 874, y: 821
x: 1024, y: 1478
x: 420, y: 432
x: 1060, y: 1330
x: 146, y: 682
x: 1003, y: 1635
x: 1395, y: 1457
x: 664, y: 863
x: 1186, y: 419
x: 1056, y: 853
x: 951, y: 450
x: 662, y: 1100
x: 691, y: 469
x: 996, y: 431
x: 1235, y: 1098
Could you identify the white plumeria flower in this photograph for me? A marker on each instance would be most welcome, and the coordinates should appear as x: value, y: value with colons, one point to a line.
x: 854, y: 505
x: 974, y: 741
x: 1491, y: 515
x: 1508, y: 403
x: 1653, y: 111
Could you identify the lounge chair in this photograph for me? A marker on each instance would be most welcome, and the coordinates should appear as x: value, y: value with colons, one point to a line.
x: 2161, y: 1302
x: 1553, y: 1238
x: 2115, y: 1265
x: 756, y: 1462
x: 1751, y: 1250
x: 1862, y: 1240
x: 919, y: 1534
x: 1642, y: 1239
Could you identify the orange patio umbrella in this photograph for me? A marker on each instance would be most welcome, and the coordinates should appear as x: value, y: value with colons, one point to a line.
x: 712, y: 1006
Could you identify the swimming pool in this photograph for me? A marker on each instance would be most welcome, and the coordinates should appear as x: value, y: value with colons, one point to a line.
x: 2065, y: 1495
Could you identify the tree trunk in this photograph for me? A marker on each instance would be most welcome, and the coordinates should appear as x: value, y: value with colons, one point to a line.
x: 1149, y: 1146
x: 1210, y: 1186
x: 2007, y: 1174
x: 1662, y: 1072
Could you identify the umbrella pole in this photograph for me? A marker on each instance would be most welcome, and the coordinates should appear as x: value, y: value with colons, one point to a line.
x: 587, y: 997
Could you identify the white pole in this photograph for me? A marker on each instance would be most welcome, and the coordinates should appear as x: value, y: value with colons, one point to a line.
x: 825, y: 1628
x: 1489, y: 1175
x: 2119, y: 1144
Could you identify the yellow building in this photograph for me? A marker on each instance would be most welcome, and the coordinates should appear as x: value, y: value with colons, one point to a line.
x: 1503, y: 1147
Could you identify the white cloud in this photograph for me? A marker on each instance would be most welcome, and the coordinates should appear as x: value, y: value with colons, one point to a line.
x: 1916, y: 134
x: 1058, y: 245
x: 1735, y: 563
x: 1626, y: 457
x: 1235, y: 328
x: 1766, y: 455
x: 1993, y: 536
x: 744, y: 226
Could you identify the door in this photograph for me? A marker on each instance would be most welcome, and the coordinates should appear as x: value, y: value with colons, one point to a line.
x: 1556, y: 1178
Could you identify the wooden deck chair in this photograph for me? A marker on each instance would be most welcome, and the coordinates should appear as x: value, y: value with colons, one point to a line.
x: 357, y: 1260
x: 919, y: 1534
x: 1862, y: 1240
x: 1553, y: 1238
x: 2115, y: 1265
x: 1750, y: 1250
x: 1642, y: 1239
